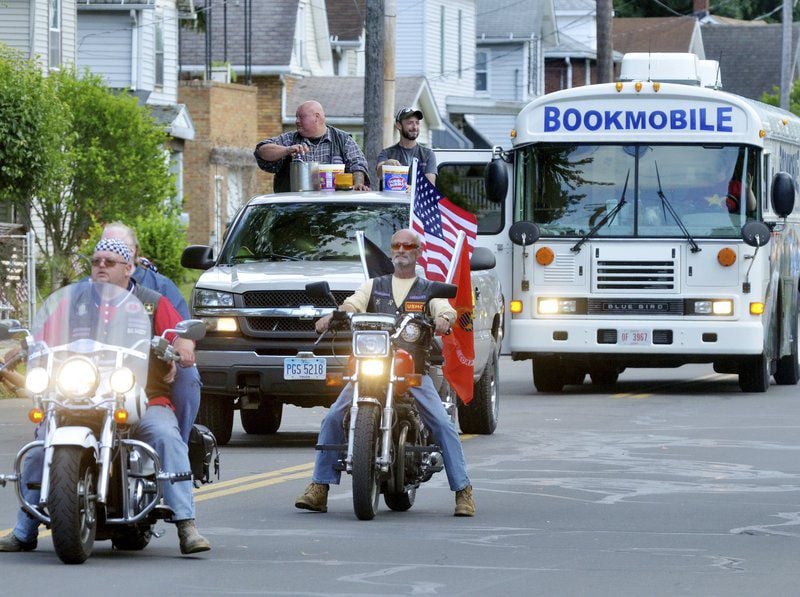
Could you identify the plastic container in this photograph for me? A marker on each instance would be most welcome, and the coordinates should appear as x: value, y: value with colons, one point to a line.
x: 327, y: 175
x: 343, y: 181
x: 395, y: 178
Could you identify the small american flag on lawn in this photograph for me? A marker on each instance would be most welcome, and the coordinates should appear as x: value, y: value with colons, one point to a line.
x: 437, y: 220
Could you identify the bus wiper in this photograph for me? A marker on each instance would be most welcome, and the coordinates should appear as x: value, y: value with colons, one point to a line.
x: 665, y: 203
x: 605, y: 218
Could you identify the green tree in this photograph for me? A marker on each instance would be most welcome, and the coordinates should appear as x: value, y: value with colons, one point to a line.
x: 774, y: 99
x: 746, y: 10
x: 118, y: 169
x: 33, y: 127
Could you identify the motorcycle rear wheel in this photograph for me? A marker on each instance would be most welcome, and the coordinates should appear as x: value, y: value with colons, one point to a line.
x: 366, y: 449
x: 71, y: 503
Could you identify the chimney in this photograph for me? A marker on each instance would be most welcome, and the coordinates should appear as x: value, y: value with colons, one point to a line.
x: 701, y: 8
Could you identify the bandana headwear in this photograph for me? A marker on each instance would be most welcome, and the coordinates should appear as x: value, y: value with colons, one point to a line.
x: 114, y: 245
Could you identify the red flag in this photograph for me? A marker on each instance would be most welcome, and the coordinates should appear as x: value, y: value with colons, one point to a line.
x: 459, y: 347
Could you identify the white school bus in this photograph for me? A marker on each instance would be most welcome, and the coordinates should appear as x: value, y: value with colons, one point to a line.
x: 653, y: 225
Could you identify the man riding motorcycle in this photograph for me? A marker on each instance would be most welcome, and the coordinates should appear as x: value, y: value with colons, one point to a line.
x: 400, y: 292
x: 111, y: 263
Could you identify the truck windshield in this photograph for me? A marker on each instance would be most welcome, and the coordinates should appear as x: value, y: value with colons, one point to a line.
x: 568, y: 189
x: 310, y: 231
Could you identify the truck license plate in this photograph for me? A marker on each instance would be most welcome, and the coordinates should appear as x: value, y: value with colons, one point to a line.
x: 633, y: 337
x: 294, y: 368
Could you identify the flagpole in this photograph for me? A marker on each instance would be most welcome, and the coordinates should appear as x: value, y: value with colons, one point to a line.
x: 462, y: 236
x: 362, y: 252
x: 411, y: 189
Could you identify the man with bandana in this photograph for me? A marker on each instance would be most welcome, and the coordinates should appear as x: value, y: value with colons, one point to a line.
x: 398, y: 292
x: 112, y: 264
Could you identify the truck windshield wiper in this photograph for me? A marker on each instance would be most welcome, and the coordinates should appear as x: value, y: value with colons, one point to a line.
x: 577, y: 247
x: 665, y: 203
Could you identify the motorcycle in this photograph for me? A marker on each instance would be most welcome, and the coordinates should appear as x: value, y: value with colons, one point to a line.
x: 389, y: 450
x: 88, y: 351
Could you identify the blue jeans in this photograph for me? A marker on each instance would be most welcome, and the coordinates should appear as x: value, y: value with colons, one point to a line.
x: 186, y: 398
x: 433, y: 414
x: 158, y: 428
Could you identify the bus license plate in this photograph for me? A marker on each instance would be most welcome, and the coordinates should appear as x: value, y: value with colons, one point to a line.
x: 633, y: 337
x: 294, y: 368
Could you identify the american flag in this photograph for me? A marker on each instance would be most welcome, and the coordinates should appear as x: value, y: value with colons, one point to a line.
x: 437, y: 220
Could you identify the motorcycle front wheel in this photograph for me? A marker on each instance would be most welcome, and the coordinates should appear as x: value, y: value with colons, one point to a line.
x: 400, y: 500
x: 71, y: 503
x: 366, y: 449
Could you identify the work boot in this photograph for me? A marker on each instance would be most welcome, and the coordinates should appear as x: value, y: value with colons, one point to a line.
x: 465, y: 506
x: 11, y: 543
x: 191, y: 540
x: 315, y: 498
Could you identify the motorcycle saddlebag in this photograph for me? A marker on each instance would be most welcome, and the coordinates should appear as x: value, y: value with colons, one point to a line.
x: 203, y: 454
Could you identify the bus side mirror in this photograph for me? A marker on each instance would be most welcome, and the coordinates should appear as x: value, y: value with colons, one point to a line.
x: 524, y: 233
x: 756, y: 234
x: 496, y: 180
x: 782, y: 194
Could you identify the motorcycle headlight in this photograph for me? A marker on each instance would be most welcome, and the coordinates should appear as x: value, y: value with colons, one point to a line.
x: 411, y: 332
x: 77, y: 377
x: 37, y: 380
x: 371, y: 367
x: 371, y: 344
x: 122, y: 380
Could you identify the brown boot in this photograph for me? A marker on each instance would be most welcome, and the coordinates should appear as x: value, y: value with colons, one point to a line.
x: 191, y: 540
x: 11, y: 543
x: 315, y: 498
x: 465, y: 506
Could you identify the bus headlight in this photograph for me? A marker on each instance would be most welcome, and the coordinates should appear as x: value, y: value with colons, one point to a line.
x: 553, y: 306
x: 710, y: 307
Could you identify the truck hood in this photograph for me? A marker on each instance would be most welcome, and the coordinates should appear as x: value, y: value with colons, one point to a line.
x: 282, y: 275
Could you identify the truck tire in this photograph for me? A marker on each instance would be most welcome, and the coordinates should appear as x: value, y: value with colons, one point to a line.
x: 754, y: 374
x: 547, y: 375
x: 216, y: 413
x: 264, y: 420
x: 787, y: 373
x: 481, y: 414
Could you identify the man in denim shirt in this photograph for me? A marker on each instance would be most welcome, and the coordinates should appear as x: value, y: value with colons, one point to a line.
x: 313, y: 141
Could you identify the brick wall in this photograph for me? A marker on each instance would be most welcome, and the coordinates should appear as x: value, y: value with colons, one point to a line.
x: 555, y: 74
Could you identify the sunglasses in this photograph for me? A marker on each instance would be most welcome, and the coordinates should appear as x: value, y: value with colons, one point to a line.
x: 105, y: 261
x: 406, y: 246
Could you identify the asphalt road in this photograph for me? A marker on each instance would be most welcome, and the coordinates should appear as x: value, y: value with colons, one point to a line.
x: 671, y: 483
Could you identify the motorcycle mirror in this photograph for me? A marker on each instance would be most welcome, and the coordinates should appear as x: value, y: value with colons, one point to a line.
x: 192, y: 329
x: 11, y: 328
x: 442, y: 290
x: 319, y: 292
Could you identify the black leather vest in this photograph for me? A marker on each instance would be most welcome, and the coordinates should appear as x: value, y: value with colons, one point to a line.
x: 382, y: 301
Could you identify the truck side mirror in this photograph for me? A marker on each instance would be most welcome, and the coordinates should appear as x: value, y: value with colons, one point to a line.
x: 197, y: 257
x: 482, y: 258
x: 496, y: 180
x: 782, y: 194
x: 524, y: 233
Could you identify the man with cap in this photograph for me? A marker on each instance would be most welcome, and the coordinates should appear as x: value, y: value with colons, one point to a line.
x: 112, y: 263
x: 407, y: 122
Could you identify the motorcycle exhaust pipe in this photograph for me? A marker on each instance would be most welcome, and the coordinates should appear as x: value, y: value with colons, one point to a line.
x: 436, y: 462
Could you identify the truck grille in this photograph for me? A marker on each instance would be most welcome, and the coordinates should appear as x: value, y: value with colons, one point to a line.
x: 280, y: 324
x: 286, y: 298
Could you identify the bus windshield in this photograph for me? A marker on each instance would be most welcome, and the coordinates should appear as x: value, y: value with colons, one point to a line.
x: 703, y: 190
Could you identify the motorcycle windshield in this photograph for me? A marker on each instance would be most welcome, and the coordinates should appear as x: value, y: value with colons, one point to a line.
x: 102, y: 322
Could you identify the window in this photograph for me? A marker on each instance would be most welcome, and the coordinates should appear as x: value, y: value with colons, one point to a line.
x: 55, y: 33
x: 300, y: 37
x: 481, y: 71
x: 159, y: 51
x: 463, y: 184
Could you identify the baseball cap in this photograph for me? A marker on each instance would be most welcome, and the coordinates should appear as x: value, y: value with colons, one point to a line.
x: 407, y: 112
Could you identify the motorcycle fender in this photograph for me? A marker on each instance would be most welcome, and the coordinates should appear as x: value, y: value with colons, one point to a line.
x: 75, y: 436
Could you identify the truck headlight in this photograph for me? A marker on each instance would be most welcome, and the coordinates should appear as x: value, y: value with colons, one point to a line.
x: 371, y: 344
x: 221, y: 324
x: 203, y: 298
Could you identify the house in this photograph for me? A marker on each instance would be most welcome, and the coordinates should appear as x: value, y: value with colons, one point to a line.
x: 658, y: 34
x: 43, y: 30
x: 508, y: 68
x: 750, y: 56
x: 134, y: 47
x: 346, y: 30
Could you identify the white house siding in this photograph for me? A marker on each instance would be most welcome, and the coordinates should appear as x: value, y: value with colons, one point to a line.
x: 69, y: 48
x: 40, y: 32
x: 15, y: 25
x: 508, y: 76
x: 105, y: 46
x: 419, y: 43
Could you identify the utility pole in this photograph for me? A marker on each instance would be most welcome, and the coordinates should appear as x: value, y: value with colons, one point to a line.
x: 605, y: 61
x: 390, y: 25
x: 373, y: 83
x: 786, y: 53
